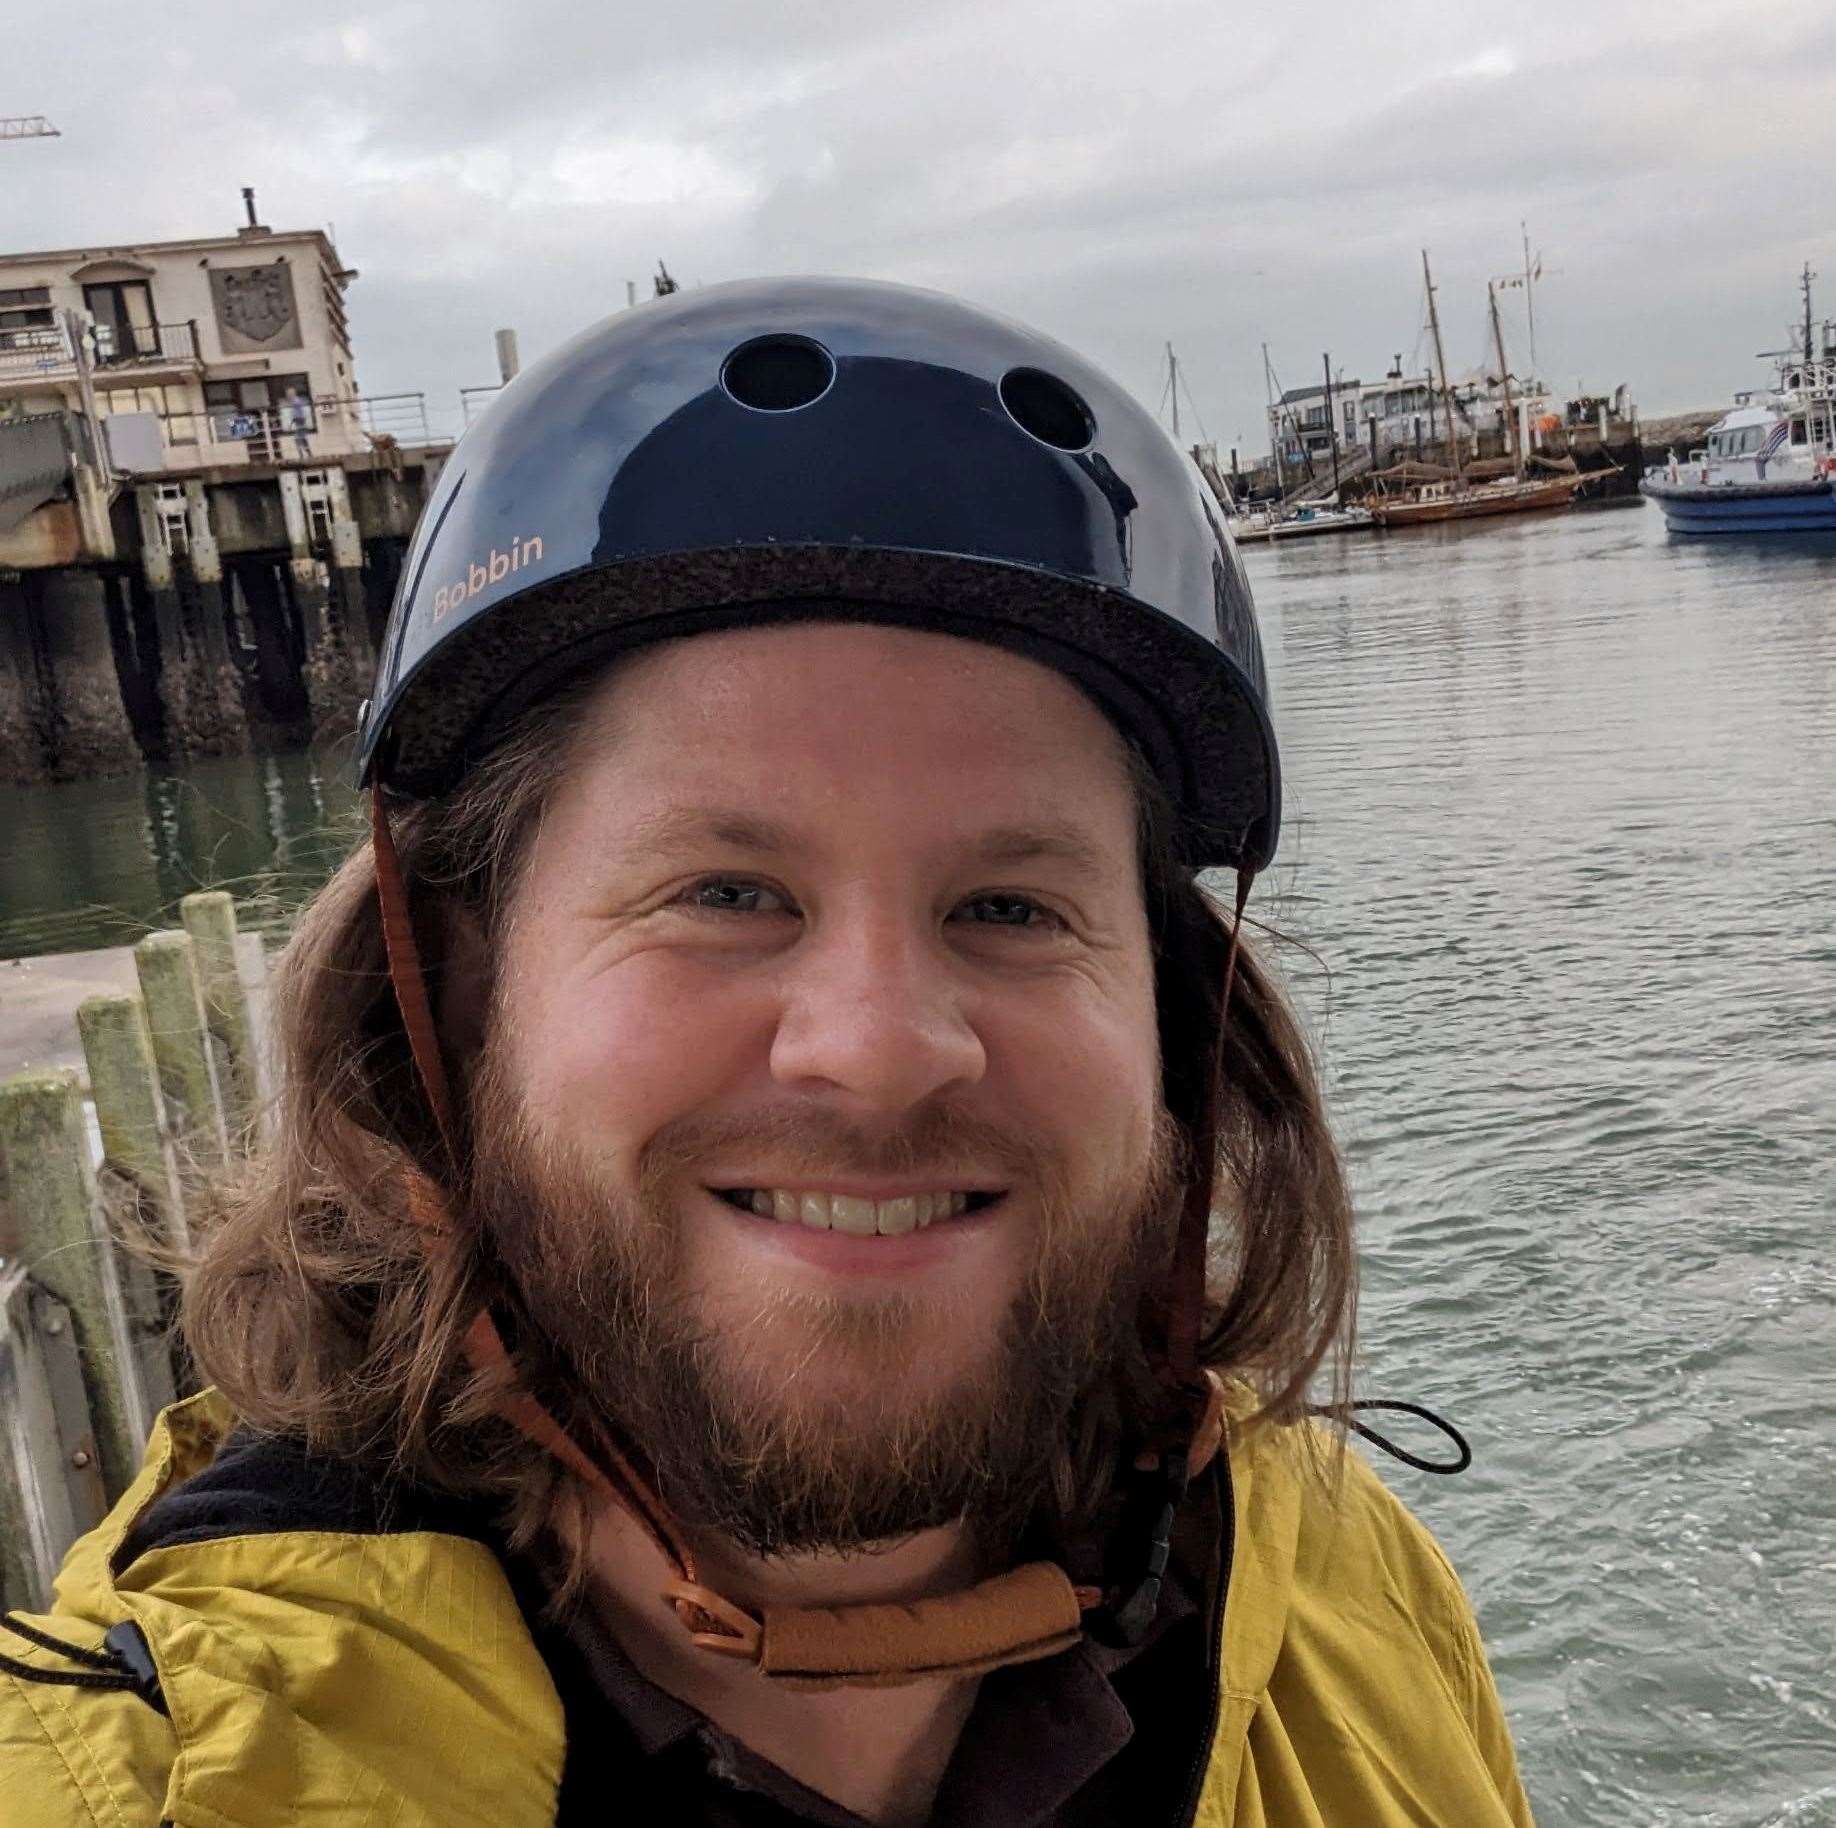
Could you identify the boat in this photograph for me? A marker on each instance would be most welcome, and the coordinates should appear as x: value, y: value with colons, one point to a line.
x: 1462, y: 496
x: 1769, y: 466
x: 1439, y: 501
x: 1319, y: 517
x: 1293, y: 519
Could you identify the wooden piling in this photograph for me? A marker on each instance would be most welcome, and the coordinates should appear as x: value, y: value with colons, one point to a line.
x: 124, y: 1081
x: 139, y: 1181
x: 210, y: 919
x: 64, y: 1247
x: 181, y: 1044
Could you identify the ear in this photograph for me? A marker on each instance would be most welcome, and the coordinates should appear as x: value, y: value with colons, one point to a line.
x: 465, y: 979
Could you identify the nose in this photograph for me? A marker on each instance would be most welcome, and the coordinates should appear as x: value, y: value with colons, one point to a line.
x: 872, y: 1010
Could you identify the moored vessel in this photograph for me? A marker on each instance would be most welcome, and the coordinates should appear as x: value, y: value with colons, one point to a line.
x: 1769, y: 466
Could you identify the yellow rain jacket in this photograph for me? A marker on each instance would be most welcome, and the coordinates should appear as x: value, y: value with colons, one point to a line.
x: 346, y: 1678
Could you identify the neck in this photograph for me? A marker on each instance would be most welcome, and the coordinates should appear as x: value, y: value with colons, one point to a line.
x: 880, y: 1752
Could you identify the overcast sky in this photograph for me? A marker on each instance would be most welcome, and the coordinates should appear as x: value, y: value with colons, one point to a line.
x: 1120, y: 174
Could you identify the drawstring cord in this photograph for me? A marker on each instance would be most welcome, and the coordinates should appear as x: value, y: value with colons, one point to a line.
x: 1344, y: 1414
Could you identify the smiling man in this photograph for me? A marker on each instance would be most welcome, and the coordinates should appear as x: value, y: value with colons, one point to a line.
x: 788, y: 1277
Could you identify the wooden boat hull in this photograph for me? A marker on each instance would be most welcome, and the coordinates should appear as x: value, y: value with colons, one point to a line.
x: 1478, y: 504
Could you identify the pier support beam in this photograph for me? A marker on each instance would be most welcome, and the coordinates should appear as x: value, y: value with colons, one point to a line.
x: 23, y: 711
x: 200, y: 698
x: 61, y: 712
x: 220, y: 682
x: 335, y: 678
x: 90, y: 729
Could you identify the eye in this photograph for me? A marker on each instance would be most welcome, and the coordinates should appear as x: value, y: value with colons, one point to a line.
x: 1007, y: 911
x: 733, y: 895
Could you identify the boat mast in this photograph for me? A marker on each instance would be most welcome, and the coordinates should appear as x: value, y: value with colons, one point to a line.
x: 1268, y: 391
x: 1332, y: 425
x: 1810, y: 353
x: 1173, y: 388
x: 1504, y: 375
x: 1440, y: 357
x: 1529, y: 296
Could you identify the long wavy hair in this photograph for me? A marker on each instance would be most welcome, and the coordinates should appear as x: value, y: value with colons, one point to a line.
x: 317, y: 1307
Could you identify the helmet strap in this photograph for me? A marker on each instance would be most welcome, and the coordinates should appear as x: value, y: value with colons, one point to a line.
x: 1184, y: 1303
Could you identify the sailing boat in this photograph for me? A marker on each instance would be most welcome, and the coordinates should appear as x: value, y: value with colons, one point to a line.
x: 1460, y: 498
x: 1296, y: 520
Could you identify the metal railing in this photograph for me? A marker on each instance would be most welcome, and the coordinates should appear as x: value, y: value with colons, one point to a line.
x: 473, y: 400
x: 48, y: 351
x: 401, y: 417
x: 322, y: 429
x: 118, y: 345
x: 40, y: 351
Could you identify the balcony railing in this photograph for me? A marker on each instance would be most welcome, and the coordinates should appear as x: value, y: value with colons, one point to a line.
x: 332, y: 427
x: 45, y: 353
x: 36, y: 353
x: 124, y: 345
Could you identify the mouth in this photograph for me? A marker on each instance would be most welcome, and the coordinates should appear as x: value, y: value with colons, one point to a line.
x: 855, y: 1216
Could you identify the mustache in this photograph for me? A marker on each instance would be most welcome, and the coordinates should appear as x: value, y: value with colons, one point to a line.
x: 942, y: 1142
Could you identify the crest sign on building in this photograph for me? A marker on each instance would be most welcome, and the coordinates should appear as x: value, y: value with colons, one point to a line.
x: 255, y: 308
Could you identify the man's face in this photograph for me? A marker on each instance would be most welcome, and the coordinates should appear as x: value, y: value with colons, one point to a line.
x: 819, y: 1116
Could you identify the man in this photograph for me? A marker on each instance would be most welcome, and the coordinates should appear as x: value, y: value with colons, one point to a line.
x: 296, y: 412
x: 722, y: 1332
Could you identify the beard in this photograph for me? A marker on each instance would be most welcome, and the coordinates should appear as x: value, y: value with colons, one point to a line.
x: 855, y: 1437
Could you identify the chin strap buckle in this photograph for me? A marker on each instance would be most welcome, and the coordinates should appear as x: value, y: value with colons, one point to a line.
x: 1143, y: 1546
x: 1154, y: 1488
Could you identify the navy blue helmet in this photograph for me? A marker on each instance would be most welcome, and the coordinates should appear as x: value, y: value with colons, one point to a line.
x: 818, y: 449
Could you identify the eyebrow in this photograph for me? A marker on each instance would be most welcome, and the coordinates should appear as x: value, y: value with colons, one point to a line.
x: 1008, y: 844
x: 687, y: 825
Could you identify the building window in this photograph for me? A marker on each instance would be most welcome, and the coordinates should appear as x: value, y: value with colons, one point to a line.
x: 257, y: 408
x: 25, y: 317
x: 125, y: 326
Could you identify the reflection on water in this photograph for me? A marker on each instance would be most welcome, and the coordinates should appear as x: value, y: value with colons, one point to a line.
x: 1561, y: 828
x: 99, y: 863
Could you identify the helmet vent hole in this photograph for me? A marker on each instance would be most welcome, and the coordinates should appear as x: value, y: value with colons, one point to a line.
x: 778, y: 374
x: 1043, y: 406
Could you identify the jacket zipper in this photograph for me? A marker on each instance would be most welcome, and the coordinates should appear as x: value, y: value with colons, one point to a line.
x: 1195, y: 1783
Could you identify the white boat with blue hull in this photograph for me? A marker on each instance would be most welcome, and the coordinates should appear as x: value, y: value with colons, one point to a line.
x: 1770, y: 465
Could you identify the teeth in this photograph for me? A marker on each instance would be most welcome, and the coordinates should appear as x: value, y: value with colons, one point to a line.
x: 897, y: 1217
x: 855, y: 1217
x: 858, y: 1218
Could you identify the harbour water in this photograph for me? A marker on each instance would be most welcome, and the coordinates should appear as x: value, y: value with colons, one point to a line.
x: 1561, y: 837
x: 1562, y: 832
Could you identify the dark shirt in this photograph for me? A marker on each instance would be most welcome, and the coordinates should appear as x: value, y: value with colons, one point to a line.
x: 1090, y: 1736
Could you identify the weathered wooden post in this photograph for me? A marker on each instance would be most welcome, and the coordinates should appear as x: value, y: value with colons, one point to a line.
x: 140, y: 1180
x: 64, y: 1246
x: 181, y: 1043
x: 210, y: 919
x: 124, y: 1081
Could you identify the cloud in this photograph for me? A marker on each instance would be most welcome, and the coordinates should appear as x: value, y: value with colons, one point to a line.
x: 1122, y: 176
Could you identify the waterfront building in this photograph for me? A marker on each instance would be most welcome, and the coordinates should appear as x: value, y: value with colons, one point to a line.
x: 187, y: 355
x: 1403, y: 416
x: 201, y: 514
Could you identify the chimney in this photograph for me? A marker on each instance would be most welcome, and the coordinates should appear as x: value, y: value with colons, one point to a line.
x: 507, y: 360
x: 254, y: 226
